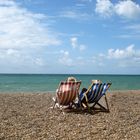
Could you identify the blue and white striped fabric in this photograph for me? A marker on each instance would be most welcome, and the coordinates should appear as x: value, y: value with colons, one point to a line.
x: 91, y: 95
x: 96, y: 91
x: 102, y: 91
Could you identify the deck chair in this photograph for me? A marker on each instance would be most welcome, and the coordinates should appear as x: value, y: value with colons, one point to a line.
x: 90, y: 97
x: 66, y: 93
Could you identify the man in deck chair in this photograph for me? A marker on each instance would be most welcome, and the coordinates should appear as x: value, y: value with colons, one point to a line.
x: 90, y: 97
x: 66, y: 93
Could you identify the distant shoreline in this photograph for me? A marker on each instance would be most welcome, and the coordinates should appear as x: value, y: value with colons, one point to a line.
x: 53, y: 92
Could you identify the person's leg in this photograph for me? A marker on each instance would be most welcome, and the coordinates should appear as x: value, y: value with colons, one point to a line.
x: 81, y: 97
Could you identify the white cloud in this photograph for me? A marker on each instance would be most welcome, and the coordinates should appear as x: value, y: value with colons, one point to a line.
x: 22, y: 28
x: 127, y: 9
x: 9, y: 56
x: 104, y: 8
x: 119, y: 54
x: 127, y: 57
x: 23, y: 35
x: 75, y: 44
x: 13, y: 57
x: 65, y: 58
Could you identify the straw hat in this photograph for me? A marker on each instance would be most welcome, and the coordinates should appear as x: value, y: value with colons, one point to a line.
x: 73, y: 79
x: 96, y: 81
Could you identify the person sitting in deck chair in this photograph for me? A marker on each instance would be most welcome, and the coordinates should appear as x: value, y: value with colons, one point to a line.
x: 67, y: 92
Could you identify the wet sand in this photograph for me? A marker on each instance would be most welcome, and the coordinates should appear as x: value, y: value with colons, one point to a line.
x: 28, y: 116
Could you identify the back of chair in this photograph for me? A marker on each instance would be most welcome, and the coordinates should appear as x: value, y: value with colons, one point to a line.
x: 102, y: 91
x: 67, y: 92
x: 96, y: 91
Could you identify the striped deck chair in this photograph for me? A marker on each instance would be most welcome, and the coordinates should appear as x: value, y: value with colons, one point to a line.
x: 67, y: 93
x: 93, y: 94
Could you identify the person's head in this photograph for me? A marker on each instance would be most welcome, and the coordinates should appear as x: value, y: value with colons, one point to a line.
x: 71, y: 79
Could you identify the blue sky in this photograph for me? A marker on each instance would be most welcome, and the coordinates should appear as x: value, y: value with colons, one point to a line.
x: 70, y: 36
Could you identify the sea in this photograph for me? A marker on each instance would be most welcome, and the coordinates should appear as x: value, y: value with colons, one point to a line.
x: 49, y: 82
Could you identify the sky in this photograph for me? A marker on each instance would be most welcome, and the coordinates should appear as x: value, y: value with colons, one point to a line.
x: 70, y: 36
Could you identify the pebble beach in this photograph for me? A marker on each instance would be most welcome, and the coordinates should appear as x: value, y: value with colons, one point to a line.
x: 29, y: 116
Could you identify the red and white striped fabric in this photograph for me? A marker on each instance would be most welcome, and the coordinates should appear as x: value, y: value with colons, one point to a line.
x: 67, y: 92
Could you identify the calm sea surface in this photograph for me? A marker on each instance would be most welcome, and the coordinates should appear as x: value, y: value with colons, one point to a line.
x: 49, y: 82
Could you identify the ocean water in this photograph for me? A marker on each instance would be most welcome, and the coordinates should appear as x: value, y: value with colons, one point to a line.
x: 50, y: 82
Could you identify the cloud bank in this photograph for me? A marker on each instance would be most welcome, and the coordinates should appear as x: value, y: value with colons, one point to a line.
x: 127, y: 57
x: 23, y: 35
x: 127, y: 9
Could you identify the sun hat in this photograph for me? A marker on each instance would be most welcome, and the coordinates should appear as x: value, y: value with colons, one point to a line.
x: 73, y: 79
x: 96, y: 81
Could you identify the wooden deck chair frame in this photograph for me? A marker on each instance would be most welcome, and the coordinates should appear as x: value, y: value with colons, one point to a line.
x: 96, y: 92
x: 103, y: 90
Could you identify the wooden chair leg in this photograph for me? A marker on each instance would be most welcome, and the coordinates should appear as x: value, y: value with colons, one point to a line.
x: 54, y: 103
x: 106, y: 103
x: 101, y: 106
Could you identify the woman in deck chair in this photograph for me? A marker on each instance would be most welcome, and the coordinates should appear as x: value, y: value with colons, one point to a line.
x: 67, y: 93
